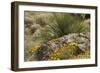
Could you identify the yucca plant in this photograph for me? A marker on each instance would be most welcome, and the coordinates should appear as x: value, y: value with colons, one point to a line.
x: 64, y: 24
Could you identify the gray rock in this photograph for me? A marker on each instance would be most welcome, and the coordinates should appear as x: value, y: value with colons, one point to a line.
x: 81, y: 39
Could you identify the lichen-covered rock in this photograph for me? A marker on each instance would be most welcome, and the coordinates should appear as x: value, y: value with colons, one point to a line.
x: 64, y: 47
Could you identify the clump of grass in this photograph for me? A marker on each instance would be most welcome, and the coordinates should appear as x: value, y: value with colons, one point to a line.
x: 64, y: 24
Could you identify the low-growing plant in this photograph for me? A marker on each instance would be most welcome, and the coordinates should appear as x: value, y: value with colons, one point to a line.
x: 67, y: 51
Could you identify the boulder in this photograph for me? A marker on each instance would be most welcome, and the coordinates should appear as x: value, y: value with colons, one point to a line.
x: 66, y: 46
